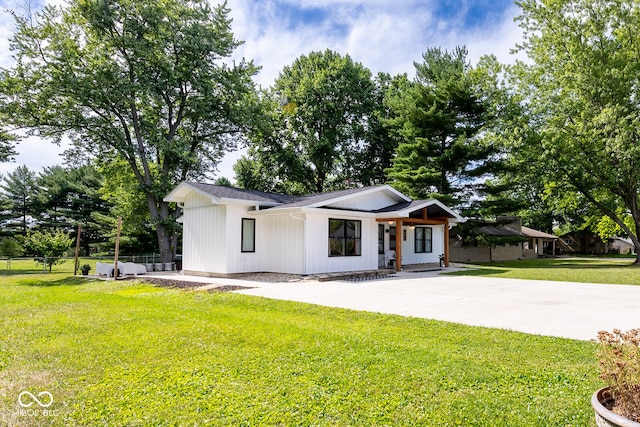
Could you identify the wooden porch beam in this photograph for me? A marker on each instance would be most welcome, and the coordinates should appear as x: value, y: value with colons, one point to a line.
x: 446, y: 243
x: 398, y: 245
x: 431, y: 221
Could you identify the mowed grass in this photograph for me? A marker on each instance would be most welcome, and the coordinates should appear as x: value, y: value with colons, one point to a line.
x: 127, y: 354
x: 17, y: 266
x: 586, y: 270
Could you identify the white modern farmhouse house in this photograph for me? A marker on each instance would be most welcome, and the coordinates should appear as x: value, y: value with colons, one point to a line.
x: 230, y: 230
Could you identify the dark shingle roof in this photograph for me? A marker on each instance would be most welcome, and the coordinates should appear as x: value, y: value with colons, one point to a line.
x: 491, y: 230
x: 242, y: 194
x: 301, y: 201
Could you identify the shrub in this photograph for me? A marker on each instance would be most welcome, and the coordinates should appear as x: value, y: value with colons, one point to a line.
x: 620, y: 368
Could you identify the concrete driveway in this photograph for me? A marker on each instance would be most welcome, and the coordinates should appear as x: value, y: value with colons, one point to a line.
x: 561, y: 309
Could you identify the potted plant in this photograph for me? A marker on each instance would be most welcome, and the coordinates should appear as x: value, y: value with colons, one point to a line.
x: 85, y: 269
x: 618, y: 404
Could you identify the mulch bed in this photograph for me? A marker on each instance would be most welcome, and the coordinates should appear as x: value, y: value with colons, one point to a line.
x: 183, y: 284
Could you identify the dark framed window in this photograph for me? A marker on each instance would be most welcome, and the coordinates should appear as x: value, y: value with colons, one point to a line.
x: 381, y: 239
x: 423, y: 240
x: 392, y: 238
x: 345, y: 237
x: 248, y: 235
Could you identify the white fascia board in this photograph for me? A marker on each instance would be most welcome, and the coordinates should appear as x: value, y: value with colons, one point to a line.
x: 265, y: 212
x: 404, y: 197
x: 242, y: 202
x: 179, y: 194
x: 339, y: 212
x: 307, y: 210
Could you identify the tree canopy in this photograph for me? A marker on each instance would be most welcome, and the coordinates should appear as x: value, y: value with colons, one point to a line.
x: 322, y: 111
x: 146, y: 82
x: 439, y: 117
x: 580, y: 92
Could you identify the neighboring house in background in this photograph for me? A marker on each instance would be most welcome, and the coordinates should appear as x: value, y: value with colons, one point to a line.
x: 518, y: 242
x: 586, y: 242
x: 621, y: 246
x: 539, y: 243
x: 229, y: 230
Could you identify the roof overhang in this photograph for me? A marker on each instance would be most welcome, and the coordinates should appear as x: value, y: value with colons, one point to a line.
x: 304, y: 210
x: 421, y: 210
x: 182, y: 190
x: 180, y: 193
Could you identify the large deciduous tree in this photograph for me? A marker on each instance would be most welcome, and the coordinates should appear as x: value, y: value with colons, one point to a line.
x: 322, y: 107
x: 440, y: 116
x: 143, y: 81
x: 582, y: 90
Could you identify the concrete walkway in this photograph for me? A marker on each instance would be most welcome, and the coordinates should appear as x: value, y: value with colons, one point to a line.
x: 561, y: 309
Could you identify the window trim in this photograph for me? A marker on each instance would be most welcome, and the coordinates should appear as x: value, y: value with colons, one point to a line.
x: 357, y: 240
x: 423, y: 240
x: 253, y: 235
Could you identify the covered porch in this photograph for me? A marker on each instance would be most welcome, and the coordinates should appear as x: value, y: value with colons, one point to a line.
x: 417, y: 231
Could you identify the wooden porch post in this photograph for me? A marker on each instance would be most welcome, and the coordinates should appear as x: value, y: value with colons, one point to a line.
x: 446, y: 242
x: 398, y: 245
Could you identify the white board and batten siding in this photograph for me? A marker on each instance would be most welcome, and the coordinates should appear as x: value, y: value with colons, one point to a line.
x: 409, y: 256
x: 205, y: 235
x: 317, y: 256
x: 279, y: 243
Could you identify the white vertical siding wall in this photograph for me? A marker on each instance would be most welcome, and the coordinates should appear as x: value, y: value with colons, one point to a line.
x: 239, y: 262
x: 317, y: 248
x: 204, y: 236
x: 408, y: 247
x: 279, y: 243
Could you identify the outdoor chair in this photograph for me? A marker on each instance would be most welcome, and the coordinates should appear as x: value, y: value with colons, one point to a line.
x: 390, y: 258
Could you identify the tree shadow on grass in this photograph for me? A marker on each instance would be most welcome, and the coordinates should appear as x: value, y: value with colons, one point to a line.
x: 581, y: 264
x: 476, y: 272
x: 62, y: 281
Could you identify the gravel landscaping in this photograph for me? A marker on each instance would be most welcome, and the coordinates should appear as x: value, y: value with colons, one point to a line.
x: 184, y: 284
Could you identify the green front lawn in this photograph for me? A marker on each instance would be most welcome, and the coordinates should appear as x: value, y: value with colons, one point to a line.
x: 586, y: 270
x: 119, y: 353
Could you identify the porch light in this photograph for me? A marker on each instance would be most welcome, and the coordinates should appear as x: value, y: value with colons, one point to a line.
x: 412, y: 226
x: 390, y: 222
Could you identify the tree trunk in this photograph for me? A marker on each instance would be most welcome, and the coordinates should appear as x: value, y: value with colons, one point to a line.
x: 166, y: 236
x: 165, y: 239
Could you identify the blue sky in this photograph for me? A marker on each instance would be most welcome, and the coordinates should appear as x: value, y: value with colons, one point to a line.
x: 384, y: 35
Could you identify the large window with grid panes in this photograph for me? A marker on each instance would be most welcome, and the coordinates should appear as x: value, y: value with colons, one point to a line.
x: 345, y: 237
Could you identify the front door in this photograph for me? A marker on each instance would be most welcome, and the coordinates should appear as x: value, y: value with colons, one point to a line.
x: 386, y: 243
x: 381, y: 246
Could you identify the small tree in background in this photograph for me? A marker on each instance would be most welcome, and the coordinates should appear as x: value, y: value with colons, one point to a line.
x: 48, y: 246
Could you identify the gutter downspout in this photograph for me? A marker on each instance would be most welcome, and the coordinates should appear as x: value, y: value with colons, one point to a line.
x: 304, y: 241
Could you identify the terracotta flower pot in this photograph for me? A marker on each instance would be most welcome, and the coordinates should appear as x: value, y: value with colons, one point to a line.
x: 604, y: 417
